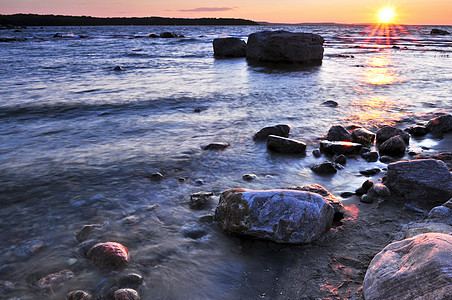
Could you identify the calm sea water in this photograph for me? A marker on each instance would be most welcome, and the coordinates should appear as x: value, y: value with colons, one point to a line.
x: 78, y: 141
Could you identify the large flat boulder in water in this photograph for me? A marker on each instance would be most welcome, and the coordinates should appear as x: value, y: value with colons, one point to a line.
x: 427, y: 181
x: 415, y: 268
x: 282, y: 216
x: 284, y: 46
x: 229, y: 47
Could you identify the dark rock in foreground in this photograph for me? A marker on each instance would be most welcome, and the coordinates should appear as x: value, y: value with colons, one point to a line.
x: 346, y: 148
x: 324, y: 168
x: 395, y: 147
x: 427, y: 181
x: 440, y: 124
x: 109, y: 255
x: 387, y: 132
x: 282, y: 216
x: 338, y: 133
x: 229, y: 47
x: 279, y: 130
x: 285, y: 145
x: 415, y: 268
x: 284, y: 46
x: 363, y: 136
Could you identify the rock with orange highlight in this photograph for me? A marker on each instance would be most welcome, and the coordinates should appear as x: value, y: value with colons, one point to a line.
x: 109, y: 255
x: 414, y: 268
x: 440, y: 124
x: 339, y: 147
x: 387, y: 132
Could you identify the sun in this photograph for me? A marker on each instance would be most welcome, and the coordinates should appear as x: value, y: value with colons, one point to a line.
x: 386, y: 15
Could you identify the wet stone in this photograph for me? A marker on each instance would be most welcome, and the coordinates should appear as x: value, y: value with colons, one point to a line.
x: 324, y: 168
x: 386, y: 159
x: 370, y: 172
x: 216, y: 146
x: 126, y: 294
x: 395, y: 146
x: 381, y: 190
x: 316, y: 153
x: 330, y: 103
x: 78, y: 295
x: 340, y: 159
x: 366, y: 199
x: 86, y: 230
x: 109, y: 255
x: 387, y: 132
x: 131, y: 280
x: 371, y: 156
x: 338, y: 133
x: 440, y: 124
x: 249, y: 177
x: 278, y: 130
x: 51, y: 281
x: 118, y: 68
x: 285, y: 145
x: 156, y: 176
x: 340, y: 147
x: 193, y: 231
x: 417, y: 130
x: 363, y: 136
x: 367, y: 185
x: 360, y: 191
x: 200, y: 200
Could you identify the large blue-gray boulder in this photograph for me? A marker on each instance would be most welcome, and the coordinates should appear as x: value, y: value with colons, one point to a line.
x: 427, y: 181
x: 282, y: 216
x: 284, y: 46
x: 414, y: 268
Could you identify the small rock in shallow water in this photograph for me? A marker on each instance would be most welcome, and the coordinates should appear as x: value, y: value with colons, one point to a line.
x: 216, y: 146
x: 417, y: 130
x: 285, y: 145
x: 126, y: 294
x: 381, y: 190
x: 109, y: 255
x: 156, y: 176
x: 51, y: 281
x: 29, y: 248
x: 371, y: 156
x: 363, y: 136
x: 131, y: 280
x: 440, y: 124
x: 317, y: 153
x: 330, y: 103
x: 386, y: 159
x: 395, y: 146
x: 249, y: 177
x: 340, y: 147
x: 341, y: 159
x: 387, y: 132
x: 338, y: 133
x: 78, y: 295
x: 86, y: 230
x: 200, y: 200
x: 117, y: 68
x: 370, y: 172
x: 193, y: 231
x: 324, y: 168
x: 278, y: 130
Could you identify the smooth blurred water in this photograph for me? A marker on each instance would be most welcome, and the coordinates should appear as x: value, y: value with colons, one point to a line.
x: 78, y: 140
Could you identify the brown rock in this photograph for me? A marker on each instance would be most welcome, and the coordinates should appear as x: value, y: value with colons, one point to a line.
x: 109, y: 255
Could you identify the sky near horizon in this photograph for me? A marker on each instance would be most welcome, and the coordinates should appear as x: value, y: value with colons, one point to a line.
x: 420, y: 12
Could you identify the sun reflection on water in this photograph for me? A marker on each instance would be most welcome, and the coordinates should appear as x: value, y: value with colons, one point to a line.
x: 373, y: 111
x: 380, y: 71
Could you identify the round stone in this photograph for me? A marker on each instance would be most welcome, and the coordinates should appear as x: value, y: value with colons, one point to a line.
x: 109, y: 255
x: 126, y: 294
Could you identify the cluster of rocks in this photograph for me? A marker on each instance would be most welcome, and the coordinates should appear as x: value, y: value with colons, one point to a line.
x: 273, y: 46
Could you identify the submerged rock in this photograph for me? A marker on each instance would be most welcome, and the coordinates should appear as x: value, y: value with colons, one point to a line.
x: 417, y: 130
x: 279, y: 130
x: 284, y: 46
x: 338, y: 133
x: 427, y: 181
x: 440, y: 124
x: 229, y: 47
x: 387, y: 132
x: 249, y: 177
x: 330, y: 103
x: 285, y: 145
x: 370, y: 156
x: 52, y: 281
x: 282, y: 216
x: 109, y: 255
x: 131, y: 280
x: 346, y: 148
x: 415, y: 268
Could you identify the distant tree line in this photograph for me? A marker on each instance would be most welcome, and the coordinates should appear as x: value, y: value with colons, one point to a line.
x: 57, y: 20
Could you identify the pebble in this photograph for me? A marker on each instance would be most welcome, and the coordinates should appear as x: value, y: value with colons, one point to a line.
x: 367, y: 184
x: 317, y: 153
x: 381, y: 190
x: 156, y: 176
x: 324, y: 168
x: 109, y: 255
x: 341, y: 159
x: 366, y: 199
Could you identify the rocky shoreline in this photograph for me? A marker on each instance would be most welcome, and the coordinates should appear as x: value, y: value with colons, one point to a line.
x: 341, y: 250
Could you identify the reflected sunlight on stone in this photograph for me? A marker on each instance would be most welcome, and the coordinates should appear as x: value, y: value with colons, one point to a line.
x: 378, y: 71
x: 373, y: 111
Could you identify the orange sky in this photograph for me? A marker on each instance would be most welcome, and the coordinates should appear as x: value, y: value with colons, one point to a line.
x: 422, y: 12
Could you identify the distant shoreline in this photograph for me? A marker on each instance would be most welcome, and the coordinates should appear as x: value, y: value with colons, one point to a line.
x: 60, y: 20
